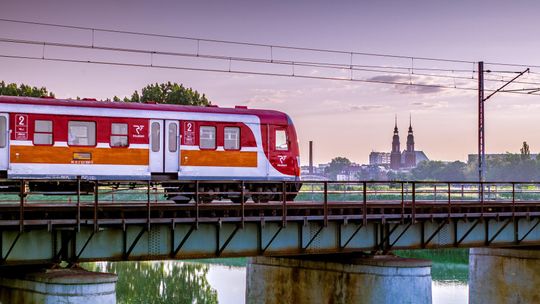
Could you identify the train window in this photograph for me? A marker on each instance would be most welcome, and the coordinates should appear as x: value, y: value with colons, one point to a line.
x: 81, y: 133
x: 281, y: 140
x: 43, y: 132
x: 173, y: 143
x: 232, y: 138
x: 119, y: 135
x: 207, y: 138
x: 155, y: 136
x: 3, y: 132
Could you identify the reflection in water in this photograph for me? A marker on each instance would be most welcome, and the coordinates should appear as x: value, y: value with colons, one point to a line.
x: 450, y: 272
x: 203, y: 282
x: 159, y: 282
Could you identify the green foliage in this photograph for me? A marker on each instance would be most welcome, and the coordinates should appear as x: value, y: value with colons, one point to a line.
x: 170, y: 93
x: 437, y: 170
x: 12, y: 89
x: 337, y: 165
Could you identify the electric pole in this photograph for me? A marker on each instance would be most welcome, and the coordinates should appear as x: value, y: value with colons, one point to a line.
x: 481, y: 126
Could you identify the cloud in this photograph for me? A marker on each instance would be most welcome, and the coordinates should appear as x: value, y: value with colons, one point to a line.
x: 430, y: 105
x: 272, y: 96
x: 367, y: 107
x: 407, y: 85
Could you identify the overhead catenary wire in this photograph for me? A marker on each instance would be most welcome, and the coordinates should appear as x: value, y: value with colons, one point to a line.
x: 406, y: 72
x: 412, y: 73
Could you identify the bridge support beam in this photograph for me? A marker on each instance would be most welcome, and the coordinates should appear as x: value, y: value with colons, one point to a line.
x: 504, y: 276
x: 338, y: 279
x: 26, y: 285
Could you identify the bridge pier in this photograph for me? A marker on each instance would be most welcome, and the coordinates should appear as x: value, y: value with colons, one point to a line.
x: 26, y: 285
x: 504, y: 275
x: 338, y: 279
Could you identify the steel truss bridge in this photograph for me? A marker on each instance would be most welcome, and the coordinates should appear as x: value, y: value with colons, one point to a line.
x: 132, y: 220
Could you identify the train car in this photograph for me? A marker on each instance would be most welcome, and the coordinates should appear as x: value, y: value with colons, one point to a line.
x: 45, y: 138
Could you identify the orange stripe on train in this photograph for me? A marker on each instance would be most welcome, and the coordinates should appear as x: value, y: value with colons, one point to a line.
x: 78, y: 155
x: 218, y: 158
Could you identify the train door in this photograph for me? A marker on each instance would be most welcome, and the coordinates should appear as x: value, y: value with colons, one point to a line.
x: 156, y: 146
x: 172, y: 158
x: 4, y: 141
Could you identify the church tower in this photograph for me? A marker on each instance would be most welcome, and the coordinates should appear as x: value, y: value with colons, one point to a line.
x: 395, y: 155
x: 410, y: 155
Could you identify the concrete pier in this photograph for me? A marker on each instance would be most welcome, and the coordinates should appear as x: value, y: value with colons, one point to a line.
x: 504, y: 276
x: 378, y: 279
x: 49, y: 286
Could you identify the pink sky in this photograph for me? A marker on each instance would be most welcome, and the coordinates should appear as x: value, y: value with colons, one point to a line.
x: 342, y: 118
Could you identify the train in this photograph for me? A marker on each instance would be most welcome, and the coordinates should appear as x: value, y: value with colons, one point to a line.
x: 64, y: 139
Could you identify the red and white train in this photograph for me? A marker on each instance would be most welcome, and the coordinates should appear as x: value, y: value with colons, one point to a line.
x: 45, y: 138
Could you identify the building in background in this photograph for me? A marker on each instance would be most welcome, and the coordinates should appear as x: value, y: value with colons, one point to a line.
x: 397, y: 159
x: 379, y: 159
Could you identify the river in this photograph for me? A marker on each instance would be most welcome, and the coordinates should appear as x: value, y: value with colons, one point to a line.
x: 224, y: 281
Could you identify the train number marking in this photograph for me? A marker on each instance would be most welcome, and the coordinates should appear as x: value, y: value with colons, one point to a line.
x: 189, y: 134
x: 21, y: 127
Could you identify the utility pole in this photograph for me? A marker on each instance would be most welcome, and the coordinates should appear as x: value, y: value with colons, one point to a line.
x: 481, y: 134
x: 310, y: 157
x: 481, y: 125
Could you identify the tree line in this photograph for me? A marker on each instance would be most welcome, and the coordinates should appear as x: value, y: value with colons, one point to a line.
x: 508, y: 167
x: 168, y: 93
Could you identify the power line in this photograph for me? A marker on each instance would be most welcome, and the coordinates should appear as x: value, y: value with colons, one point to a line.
x: 403, y: 75
x: 233, y: 42
x: 373, y: 68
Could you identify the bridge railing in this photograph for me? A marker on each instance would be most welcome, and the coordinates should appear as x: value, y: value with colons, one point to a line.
x: 77, y: 202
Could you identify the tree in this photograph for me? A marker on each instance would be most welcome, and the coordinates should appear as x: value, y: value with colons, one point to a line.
x: 23, y: 90
x: 170, y: 93
x: 525, y: 152
x: 337, y: 165
x: 437, y: 170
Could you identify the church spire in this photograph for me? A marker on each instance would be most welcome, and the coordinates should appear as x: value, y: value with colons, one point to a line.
x: 395, y: 155
x: 410, y: 155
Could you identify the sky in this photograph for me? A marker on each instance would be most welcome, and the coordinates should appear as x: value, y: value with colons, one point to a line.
x: 342, y: 118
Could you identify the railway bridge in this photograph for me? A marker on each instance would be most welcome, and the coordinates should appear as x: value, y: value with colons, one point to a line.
x: 133, y: 220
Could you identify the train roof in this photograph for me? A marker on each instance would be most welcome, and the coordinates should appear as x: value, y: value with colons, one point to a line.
x: 266, y: 116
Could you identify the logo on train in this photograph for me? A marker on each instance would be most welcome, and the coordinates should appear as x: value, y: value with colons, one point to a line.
x: 282, y: 159
x: 139, y: 131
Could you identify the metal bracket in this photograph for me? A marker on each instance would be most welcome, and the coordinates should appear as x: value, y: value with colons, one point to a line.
x: 263, y: 250
x: 11, y: 247
x: 387, y: 237
x: 184, y: 240
x: 126, y: 254
x: 229, y: 239
x: 400, y: 235
x: 468, y: 232
x: 528, y: 232
x: 84, y: 246
x: 352, y: 236
x: 313, y: 238
x: 498, y: 232
x: 441, y: 225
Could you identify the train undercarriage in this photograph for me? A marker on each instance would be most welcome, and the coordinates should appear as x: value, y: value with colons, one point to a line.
x: 178, y: 191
